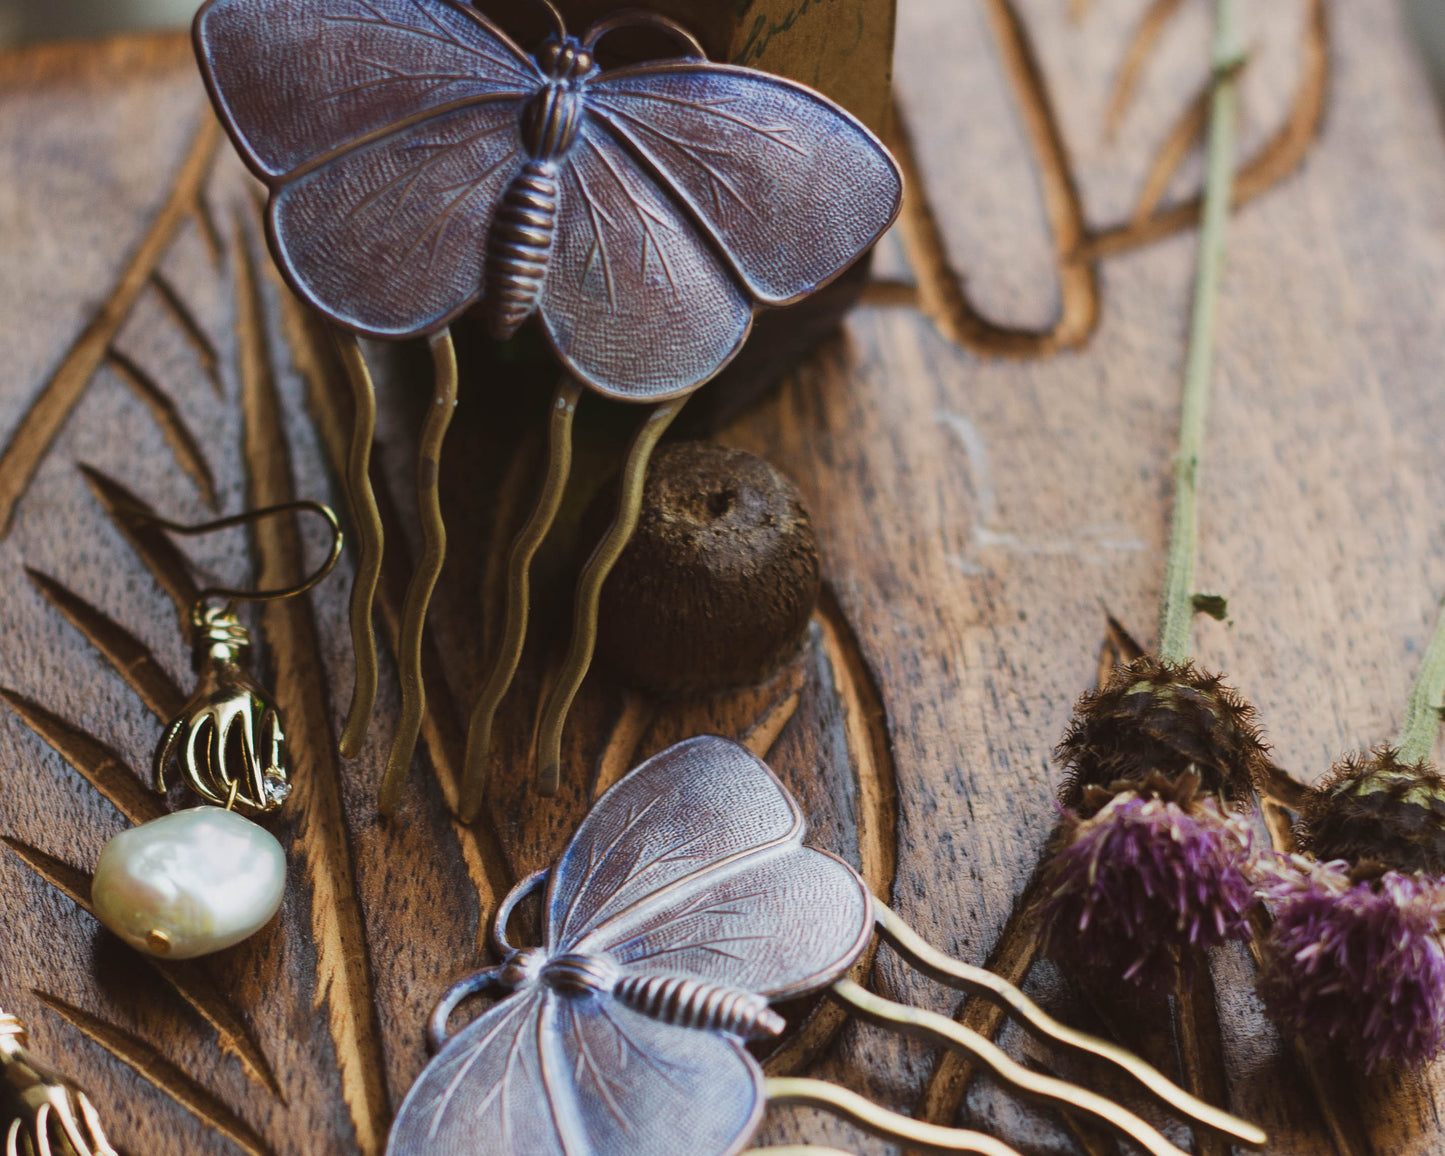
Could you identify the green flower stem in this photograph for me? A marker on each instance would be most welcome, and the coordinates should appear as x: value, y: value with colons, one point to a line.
x: 1427, y: 700
x: 1176, y: 605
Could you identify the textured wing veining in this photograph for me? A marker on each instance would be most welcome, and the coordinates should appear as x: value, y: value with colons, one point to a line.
x: 790, y: 923
x: 297, y: 81
x: 390, y: 239
x: 693, y: 865
x: 790, y: 187
x: 387, y: 130
x: 646, y: 1088
x: 637, y: 302
x: 542, y: 1074
x: 488, y: 1090
x: 694, y: 807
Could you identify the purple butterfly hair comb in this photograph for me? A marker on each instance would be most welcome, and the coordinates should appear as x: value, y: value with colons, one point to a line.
x: 685, y: 904
x: 421, y: 164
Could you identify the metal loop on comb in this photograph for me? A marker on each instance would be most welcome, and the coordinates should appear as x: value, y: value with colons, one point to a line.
x: 642, y: 18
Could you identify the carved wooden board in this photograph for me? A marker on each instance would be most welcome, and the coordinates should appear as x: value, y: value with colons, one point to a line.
x: 985, y: 450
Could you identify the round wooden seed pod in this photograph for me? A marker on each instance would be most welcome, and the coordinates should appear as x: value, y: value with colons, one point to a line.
x: 717, y: 586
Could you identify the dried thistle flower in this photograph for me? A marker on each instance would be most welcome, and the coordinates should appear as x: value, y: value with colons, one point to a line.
x: 1142, y: 887
x: 1378, y: 809
x: 1156, y: 718
x: 1357, y: 962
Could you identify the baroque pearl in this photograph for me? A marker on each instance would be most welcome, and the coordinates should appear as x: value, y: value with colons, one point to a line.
x: 190, y: 883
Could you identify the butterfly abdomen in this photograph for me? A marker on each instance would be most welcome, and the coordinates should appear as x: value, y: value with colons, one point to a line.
x: 691, y: 1004
x: 519, y: 248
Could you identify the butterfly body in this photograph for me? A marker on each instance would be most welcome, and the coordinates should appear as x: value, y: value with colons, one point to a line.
x: 421, y: 164
x: 708, y: 1007
x: 677, y: 1000
x: 519, y: 245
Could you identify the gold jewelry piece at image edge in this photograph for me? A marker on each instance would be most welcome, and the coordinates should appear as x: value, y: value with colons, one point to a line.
x: 54, y: 1114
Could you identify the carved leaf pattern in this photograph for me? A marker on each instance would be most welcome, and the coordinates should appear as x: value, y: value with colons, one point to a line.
x: 362, y: 970
x: 266, y: 316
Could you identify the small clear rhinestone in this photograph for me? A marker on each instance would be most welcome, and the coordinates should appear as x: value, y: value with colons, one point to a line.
x: 276, y: 788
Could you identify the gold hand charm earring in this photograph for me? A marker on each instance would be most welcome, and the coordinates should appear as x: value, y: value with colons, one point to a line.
x: 41, y: 1111
x: 200, y: 880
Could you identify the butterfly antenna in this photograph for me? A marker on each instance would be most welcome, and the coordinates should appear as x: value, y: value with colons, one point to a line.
x: 554, y: 14
x: 423, y: 580
x: 980, y: 981
x: 634, y: 17
x: 524, y: 548
x: 589, y: 591
x: 370, y: 538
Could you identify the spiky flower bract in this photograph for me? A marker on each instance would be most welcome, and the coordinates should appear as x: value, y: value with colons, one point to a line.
x: 1156, y: 718
x: 1378, y: 810
x: 1141, y: 888
x: 1357, y: 963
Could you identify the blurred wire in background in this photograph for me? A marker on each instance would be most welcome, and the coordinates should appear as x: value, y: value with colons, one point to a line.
x: 25, y: 20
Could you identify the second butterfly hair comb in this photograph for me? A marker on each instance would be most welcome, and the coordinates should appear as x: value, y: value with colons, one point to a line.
x: 684, y: 906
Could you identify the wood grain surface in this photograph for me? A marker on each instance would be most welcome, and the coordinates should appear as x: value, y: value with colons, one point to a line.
x: 985, y: 450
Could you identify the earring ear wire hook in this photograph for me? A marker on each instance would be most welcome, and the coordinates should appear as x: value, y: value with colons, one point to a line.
x: 233, y: 594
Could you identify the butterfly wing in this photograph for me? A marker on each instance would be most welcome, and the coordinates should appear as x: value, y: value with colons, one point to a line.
x: 637, y: 302
x: 487, y: 1089
x: 543, y: 1074
x: 298, y: 80
x: 647, y: 1088
x: 790, y: 923
x: 390, y: 238
x: 386, y: 129
x: 693, y: 865
x: 788, y: 185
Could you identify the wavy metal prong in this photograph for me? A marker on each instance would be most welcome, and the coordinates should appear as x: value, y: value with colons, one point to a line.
x: 796, y: 1150
x: 880, y: 1121
x: 940, y: 1029
x: 979, y: 981
x: 370, y: 540
x: 428, y: 569
x: 589, y: 592
x: 514, y: 636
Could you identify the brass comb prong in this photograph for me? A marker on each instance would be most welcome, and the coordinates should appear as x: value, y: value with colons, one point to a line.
x: 796, y: 1150
x: 880, y: 1121
x: 938, y: 1029
x: 370, y: 540
x: 589, y: 592
x: 519, y: 565
x: 979, y: 981
x: 428, y: 569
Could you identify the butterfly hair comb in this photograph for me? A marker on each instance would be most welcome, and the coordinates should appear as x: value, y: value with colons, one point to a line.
x: 422, y: 165
x: 684, y: 906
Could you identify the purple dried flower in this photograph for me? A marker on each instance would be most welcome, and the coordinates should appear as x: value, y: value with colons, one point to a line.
x: 1144, y: 886
x: 1358, y: 964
